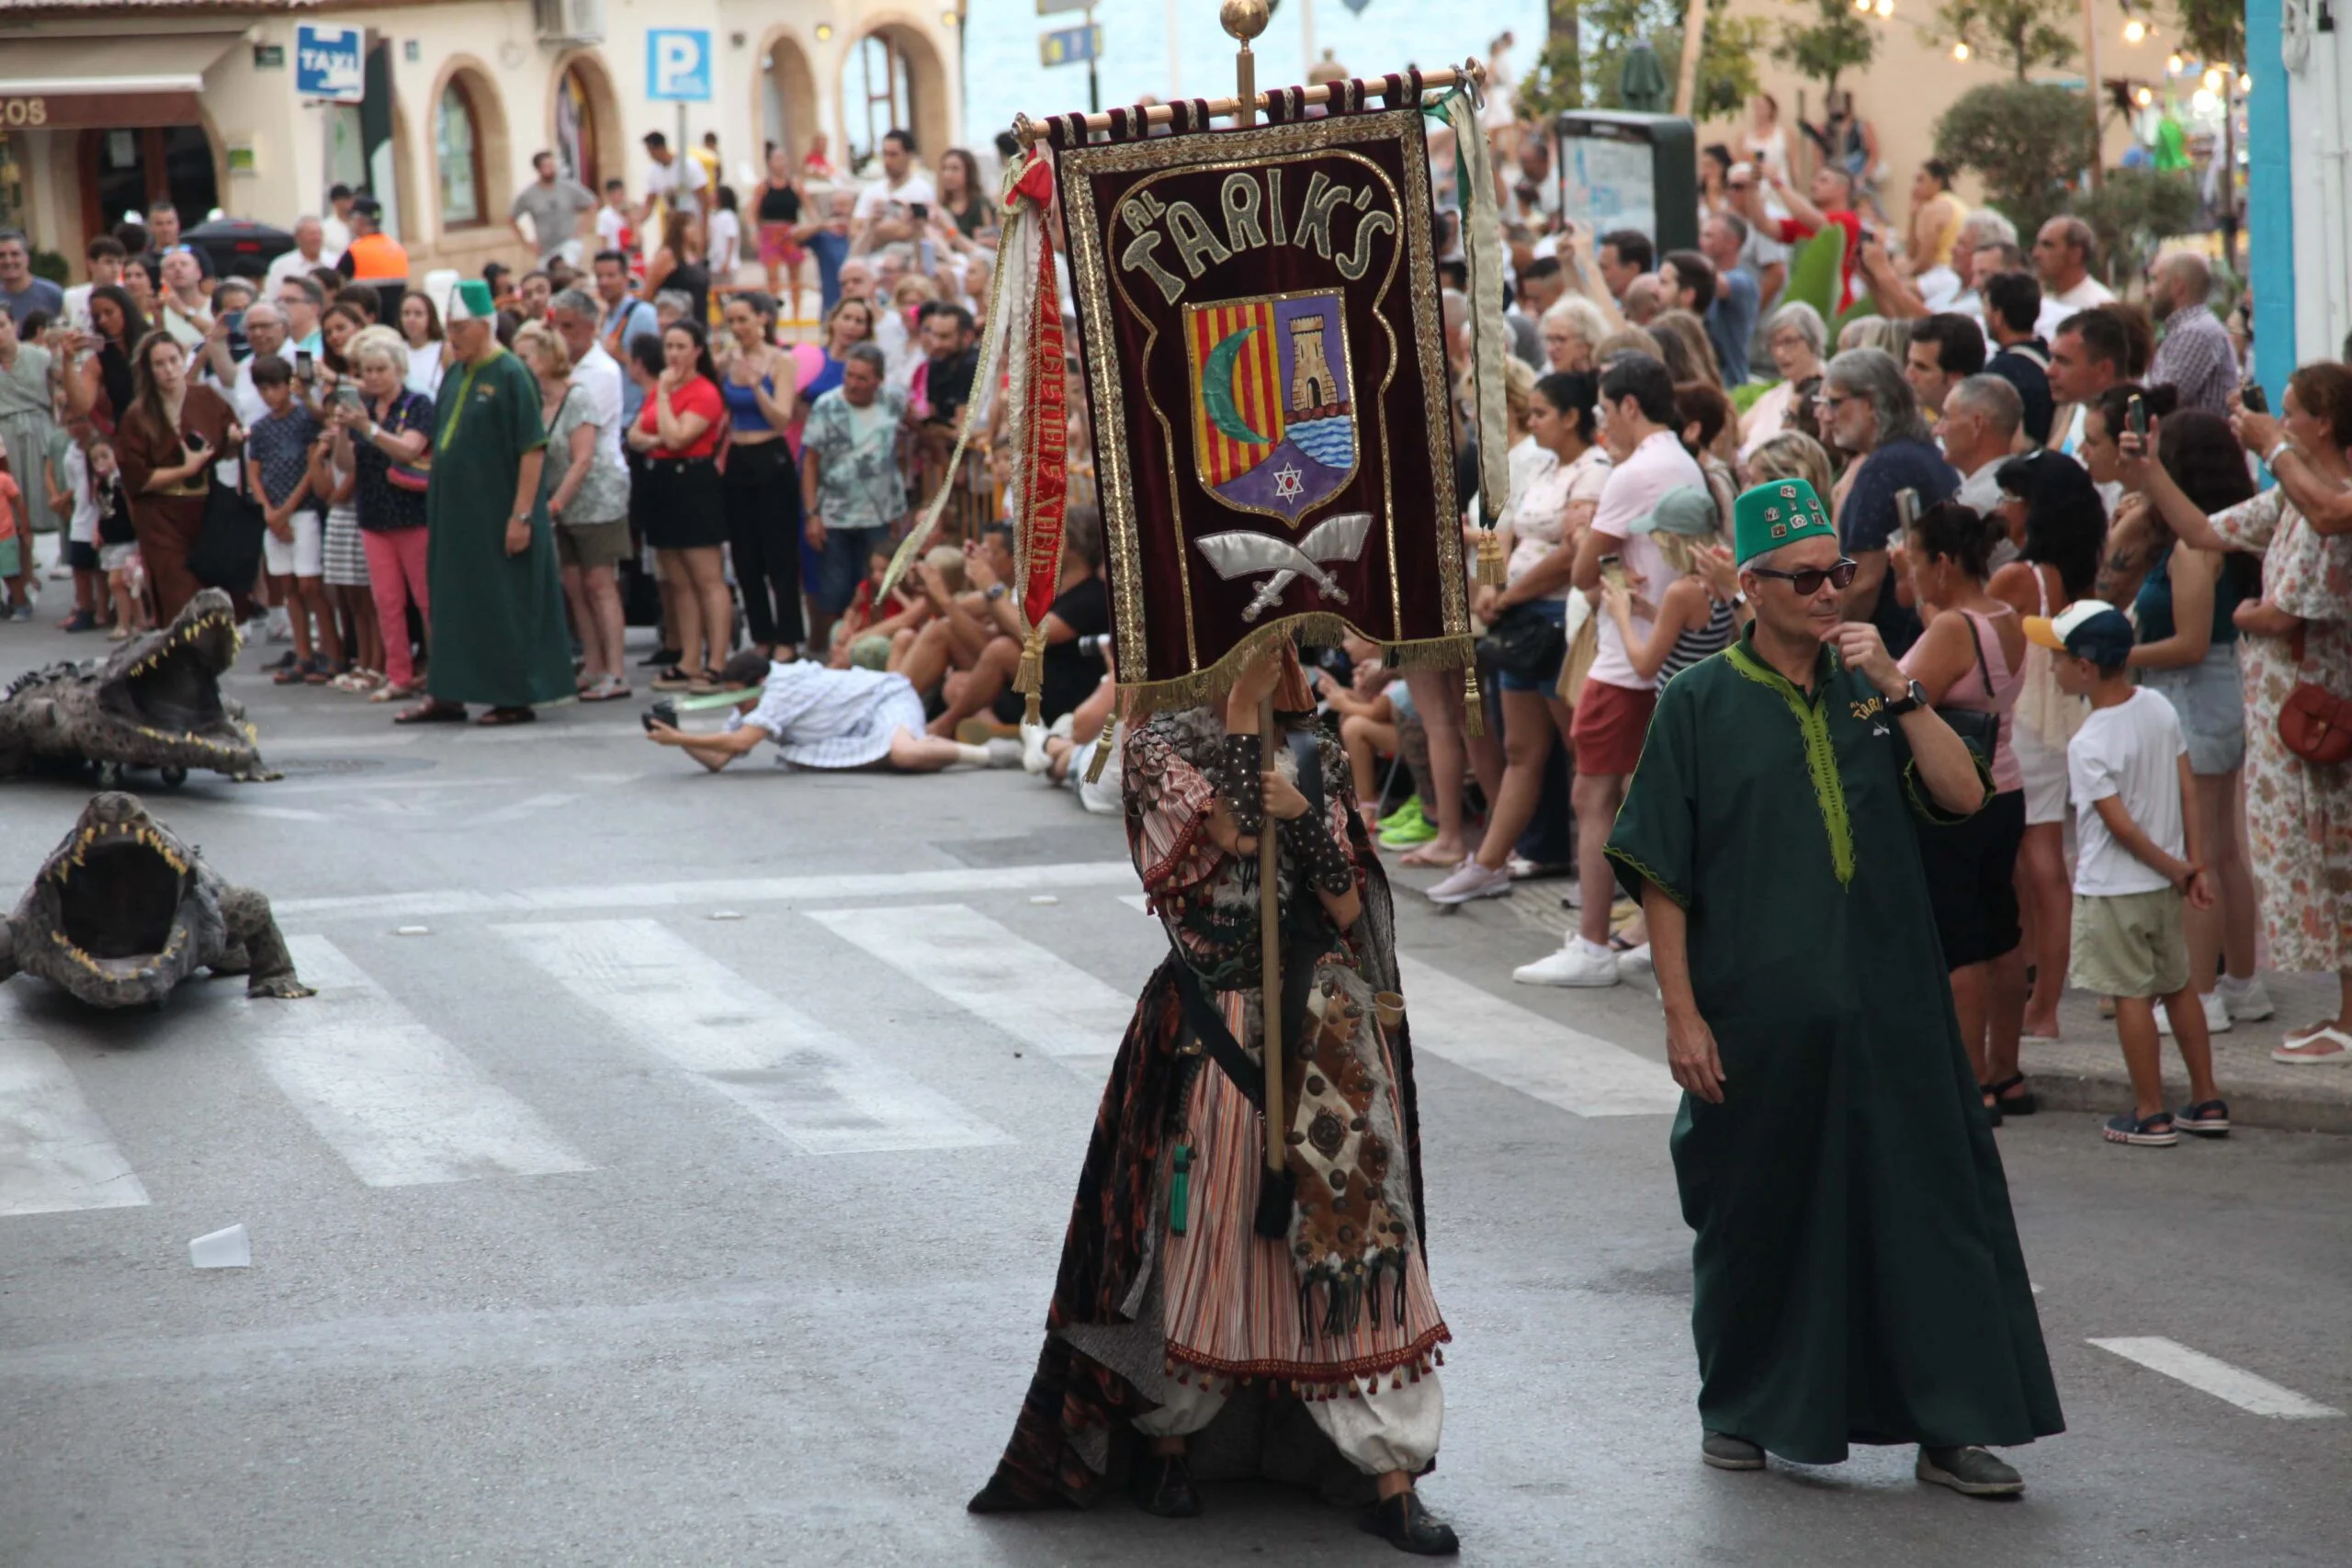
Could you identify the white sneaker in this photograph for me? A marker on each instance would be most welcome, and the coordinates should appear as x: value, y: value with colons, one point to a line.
x: 1003, y: 752
x: 1470, y: 880
x: 2248, y: 998
x: 1634, y: 966
x: 1033, y: 748
x: 1578, y: 963
x: 2217, y: 1015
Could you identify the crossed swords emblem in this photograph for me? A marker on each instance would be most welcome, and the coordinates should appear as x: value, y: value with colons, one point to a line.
x: 1246, y: 554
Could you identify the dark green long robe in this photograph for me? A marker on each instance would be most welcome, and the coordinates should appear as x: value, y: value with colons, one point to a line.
x: 498, y: 625
x: 1857, y: 1273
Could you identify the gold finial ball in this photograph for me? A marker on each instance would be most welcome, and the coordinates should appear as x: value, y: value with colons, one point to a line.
x: 1243, y: 19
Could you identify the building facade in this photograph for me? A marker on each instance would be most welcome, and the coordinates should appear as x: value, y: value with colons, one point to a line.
x: 105, y: 106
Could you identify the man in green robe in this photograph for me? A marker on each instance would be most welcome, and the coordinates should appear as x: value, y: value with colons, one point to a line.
x: 490, y: 563
x: 1857, y: 1273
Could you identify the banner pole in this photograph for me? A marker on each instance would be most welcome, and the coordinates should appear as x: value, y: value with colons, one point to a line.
x: 1243, y: 20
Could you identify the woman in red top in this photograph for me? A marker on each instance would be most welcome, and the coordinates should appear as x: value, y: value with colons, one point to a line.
x: 685, y: 517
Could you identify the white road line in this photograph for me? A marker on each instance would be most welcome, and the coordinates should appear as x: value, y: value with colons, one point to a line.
x: 2219, y: 1379
x: 1458, y: 1022
x: 949, y: 883
x: 399, y: 1104
x: 272, y: 745
x: 820, y: 1091
x: 1023, y: 989
x: 55, y: 1153
x: 1139, y: 902
x: 274, y: 813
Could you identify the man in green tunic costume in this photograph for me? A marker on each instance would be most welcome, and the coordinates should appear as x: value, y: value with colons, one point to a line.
x: 1857, y: 1273
x: 489, y: 564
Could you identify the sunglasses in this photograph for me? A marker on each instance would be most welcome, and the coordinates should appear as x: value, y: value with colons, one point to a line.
x: 1808, y: 581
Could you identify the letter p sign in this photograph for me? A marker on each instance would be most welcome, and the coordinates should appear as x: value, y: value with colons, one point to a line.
x: 677, y: 64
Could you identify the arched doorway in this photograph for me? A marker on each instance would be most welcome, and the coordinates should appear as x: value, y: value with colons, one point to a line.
x: 472, y: 159
x: 584, y: 128
x: 892, y: 76
x: 787, y: 110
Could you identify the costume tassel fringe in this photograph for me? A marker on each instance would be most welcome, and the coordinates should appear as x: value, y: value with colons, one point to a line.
x: 1474, y: 712
x: 1029, y: 676
x: 1493, y: 564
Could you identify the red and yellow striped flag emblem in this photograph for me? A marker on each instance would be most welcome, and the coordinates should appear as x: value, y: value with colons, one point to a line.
x: 1237, y: 388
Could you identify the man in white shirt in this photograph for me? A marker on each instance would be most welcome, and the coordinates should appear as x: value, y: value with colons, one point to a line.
x: 309, y: 254
x: 266, y: 331
x: 2063, y: 254
x: 336, y: 226
x: 1613, y: 711
x: 574, y: 315
x: 1979, y: 432
x: 670, y: 174
x: 885, y: 209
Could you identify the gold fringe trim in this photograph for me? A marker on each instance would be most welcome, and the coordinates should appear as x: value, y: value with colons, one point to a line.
x: 1494, y: 566
x: 1474, y: 712
x: 1204, y: 686
x: 1029, y: 675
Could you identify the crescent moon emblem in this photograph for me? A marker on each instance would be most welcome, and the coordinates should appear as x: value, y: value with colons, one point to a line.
x: 1216, y: 388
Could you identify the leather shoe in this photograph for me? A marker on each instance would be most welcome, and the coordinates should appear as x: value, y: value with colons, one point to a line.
x: 1724, y: 1451
x: 1162, y: 1484
x: 1970, y: 1472
x: 1405, y: 1524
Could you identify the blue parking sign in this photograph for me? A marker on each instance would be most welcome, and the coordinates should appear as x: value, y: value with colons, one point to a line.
x: 329, y: 63
x: 677, y: 64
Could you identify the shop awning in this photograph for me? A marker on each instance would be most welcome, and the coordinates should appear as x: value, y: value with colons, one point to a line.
x: 110, y: 80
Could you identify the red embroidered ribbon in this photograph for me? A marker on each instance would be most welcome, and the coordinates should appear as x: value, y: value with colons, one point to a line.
x: 1044, y: 462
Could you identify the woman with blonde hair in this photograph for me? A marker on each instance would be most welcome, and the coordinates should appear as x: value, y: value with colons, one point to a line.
x: 1572, y: 330
x: 586, y: 490
x: 384, y: 435
x: 1791, y: 455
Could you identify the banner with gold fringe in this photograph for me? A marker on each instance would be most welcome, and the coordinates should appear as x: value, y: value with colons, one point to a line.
x: 1259, y: 323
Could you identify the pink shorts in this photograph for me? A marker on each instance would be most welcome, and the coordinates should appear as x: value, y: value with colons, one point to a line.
x: 777, y: 247
x: 1608, y: 727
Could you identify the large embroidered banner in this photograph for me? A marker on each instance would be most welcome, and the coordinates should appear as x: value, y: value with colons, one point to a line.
x: 1258, y: 312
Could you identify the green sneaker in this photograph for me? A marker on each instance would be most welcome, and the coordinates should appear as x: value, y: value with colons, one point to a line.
x: 1408, y: 812
x: 1419, y: 830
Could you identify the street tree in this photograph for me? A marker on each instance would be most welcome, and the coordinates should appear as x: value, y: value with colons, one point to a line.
x: 2027, y: 141
x: 1832, y: 38
x: 2021, y: 34
x: 1580, y: 69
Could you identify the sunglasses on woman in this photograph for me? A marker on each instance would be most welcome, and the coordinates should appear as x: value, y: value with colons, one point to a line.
x: 1808, y: 581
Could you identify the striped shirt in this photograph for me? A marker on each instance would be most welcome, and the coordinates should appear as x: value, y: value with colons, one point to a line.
x: 1692, y: 646
x: 833, y: 719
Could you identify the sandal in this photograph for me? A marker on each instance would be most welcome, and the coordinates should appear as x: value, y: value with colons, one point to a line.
x: 432, y: 710
x: 1991, y: 1101
x: 2206, y: 1118
x: 675, y: 679
x: 2320, y: 1043
x: 292, y: 675
x: 388, y: 693
x: 2017, y: 1104
x: 605, y: 689
x: 494, y: 718
x: 2155, y: 1132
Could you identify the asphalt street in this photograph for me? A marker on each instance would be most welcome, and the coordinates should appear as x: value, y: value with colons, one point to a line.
x: 673, y: 1170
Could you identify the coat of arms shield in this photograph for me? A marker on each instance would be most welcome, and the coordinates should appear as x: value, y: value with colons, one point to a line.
x: 1273, y: 419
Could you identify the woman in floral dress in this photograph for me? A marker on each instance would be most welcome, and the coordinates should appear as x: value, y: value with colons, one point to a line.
x: 2298, y: 814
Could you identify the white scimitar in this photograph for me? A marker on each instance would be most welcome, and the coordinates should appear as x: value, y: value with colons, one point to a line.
x: 1245, y: 554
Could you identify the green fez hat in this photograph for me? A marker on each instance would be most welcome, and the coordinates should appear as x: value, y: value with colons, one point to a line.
x: 1776, y: 514
x: 471, y: 302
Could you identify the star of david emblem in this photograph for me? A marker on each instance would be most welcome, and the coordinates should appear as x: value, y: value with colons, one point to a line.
x: 1286, y: 482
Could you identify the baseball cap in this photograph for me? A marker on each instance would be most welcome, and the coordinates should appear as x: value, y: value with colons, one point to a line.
x: 2088, y: 628
x: 1685, y: 510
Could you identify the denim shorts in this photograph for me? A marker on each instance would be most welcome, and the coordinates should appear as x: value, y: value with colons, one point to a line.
x: 1547, y: 677
x: 841, y: 565
x: 2212, y: 705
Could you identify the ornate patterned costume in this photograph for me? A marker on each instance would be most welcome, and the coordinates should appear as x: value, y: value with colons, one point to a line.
x: 1172, y: 1313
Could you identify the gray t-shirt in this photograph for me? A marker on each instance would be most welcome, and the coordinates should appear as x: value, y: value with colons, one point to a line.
x: 555, y: 210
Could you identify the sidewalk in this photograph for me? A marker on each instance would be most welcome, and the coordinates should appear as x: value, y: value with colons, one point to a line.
x: 2085, y: 1071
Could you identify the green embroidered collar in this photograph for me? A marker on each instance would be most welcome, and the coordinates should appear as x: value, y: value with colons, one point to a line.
x: 1820, y: 755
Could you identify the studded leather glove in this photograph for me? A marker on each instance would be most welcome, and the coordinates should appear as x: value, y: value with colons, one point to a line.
x: 1238, y: 785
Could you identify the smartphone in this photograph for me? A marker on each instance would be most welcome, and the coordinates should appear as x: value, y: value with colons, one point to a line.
x: 922, y: 210
x: 1612, y: 570
x: 1907, y: 506
x: 2252, y: 398
x: 305, y: 370
x: 930, y: 256
x: 2135, y: 415
x: 347, y: 395
x: 193, y: 441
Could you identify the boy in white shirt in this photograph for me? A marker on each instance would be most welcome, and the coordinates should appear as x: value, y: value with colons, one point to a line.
x: 2137, y: 859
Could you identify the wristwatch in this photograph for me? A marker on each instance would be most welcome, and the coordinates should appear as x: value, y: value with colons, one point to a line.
x: 996, y: 591
x: 1911, y: 700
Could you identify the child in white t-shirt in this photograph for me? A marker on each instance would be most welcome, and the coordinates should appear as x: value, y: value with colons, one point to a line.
x: 2137, y: 859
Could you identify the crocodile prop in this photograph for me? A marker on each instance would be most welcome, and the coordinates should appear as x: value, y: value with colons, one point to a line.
x: 123, y: 910
x: 155, y: 702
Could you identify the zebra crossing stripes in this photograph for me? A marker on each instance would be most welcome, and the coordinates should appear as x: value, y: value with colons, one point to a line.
x: 401, y: 1105
x: 55, y: 1154
x: 823, y: 1093
x: 1459, y: 1022
x: 1029, y: 992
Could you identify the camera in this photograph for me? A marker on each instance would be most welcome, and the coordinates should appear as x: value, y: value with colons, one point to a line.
x: 664, y: 711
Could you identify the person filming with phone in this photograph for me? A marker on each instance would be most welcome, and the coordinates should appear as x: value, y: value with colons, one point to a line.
x: 170, y: 444
x: 817, y: 718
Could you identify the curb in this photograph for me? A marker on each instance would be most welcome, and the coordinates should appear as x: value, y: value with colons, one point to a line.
x: 2282, y: 1112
